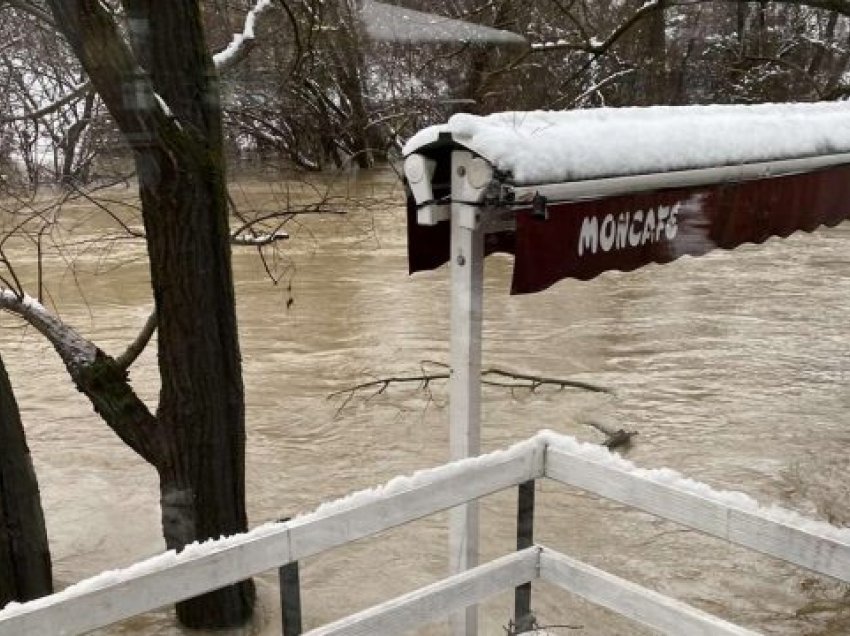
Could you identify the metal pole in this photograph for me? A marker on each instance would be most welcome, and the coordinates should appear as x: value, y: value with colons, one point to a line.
x: 467, y: 274
x: 523, y: 618
x: 290, y: 597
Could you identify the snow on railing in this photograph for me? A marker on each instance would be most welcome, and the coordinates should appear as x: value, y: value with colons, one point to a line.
x: 734, y: 516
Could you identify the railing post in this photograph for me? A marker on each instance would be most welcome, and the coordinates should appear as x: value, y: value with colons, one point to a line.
x: 469, y: 177
x: 523, y: 618
x: 290, y: 597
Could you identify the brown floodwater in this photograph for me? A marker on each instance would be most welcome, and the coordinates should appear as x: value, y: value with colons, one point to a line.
x: 734, y: 368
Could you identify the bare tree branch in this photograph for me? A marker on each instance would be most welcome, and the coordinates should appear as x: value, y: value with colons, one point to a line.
x: 134, y: 350
x: 33, y: 10
x: 94, y: 373
x: 599, y: 86
x: 76, y: 93
x: 76, y: 352
x: 519, y: 381
x: 596, y: 46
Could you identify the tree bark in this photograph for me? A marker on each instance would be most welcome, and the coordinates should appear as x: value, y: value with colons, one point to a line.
x: 163, y: 95
x: 25, y: 569
x: 654, y: 89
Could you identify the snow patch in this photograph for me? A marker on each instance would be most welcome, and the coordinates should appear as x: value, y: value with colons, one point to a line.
x: 556, y: 146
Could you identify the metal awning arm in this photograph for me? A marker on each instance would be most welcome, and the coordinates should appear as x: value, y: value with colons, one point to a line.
x: 475, y: 187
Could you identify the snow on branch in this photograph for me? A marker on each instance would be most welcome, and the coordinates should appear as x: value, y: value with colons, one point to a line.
x: 594, y: 45
x: 598, y: 86
x: 242, y: 43
x: 76, y: 352
x: 259, y: 239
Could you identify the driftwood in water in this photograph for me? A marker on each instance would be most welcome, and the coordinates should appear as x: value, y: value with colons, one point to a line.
x: 614, y: 438
x: 491, y: 376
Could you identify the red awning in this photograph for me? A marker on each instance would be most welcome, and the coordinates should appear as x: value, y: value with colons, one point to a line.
x: 581, y: 239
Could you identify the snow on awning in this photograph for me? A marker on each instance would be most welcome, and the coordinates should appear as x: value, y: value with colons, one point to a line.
x: 626, y: 187
x: 548, y: 147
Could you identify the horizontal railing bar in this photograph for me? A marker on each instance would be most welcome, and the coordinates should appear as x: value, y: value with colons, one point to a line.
x: 439, y: 599
x: 612, y: 186
x: 309, y: 537
x: 628, y: 599
x: 82, y: 609
x: 809, y: 546
x: 360, y: 515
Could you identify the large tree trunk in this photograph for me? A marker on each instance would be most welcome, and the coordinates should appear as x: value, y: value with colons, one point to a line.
x: 163, y: 94
x: 184, y: 205
x: 25, y: 571
x: 201, y: 402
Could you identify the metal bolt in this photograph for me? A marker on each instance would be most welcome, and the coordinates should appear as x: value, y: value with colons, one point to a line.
x: 461, y: 171
x: 461, y: 260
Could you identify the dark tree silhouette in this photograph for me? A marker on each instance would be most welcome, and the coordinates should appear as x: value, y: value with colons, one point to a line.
x: 25, y: 571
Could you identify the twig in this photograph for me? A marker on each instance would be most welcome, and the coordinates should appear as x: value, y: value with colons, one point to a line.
x: 536, y: 381
x: 382, y: 385
x: 134, y: 350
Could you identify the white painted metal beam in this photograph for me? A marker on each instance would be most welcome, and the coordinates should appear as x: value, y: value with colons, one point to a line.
x: 612, y: 186
x: 628, y: 599
x: 469, y: 178
x: 435, y: 601
x: 809, y: 547
x: 78, y: 612
x: 311, y: 536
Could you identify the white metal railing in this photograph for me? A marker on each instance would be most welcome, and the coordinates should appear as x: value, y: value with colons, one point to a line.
x: 169, y: 578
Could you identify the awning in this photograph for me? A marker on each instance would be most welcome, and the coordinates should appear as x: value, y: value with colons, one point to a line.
x: 788, y: 170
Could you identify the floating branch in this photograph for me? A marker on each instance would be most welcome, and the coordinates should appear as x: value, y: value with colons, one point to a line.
x: 534, y: 382
x: 383, y: 384
x: 614, y: 438
x: 504, y: 378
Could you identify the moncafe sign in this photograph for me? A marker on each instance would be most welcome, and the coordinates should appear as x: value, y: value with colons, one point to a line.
x: 582, y: 239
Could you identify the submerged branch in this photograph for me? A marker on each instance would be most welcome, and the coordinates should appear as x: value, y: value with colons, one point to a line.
x: 491, y: 376
x: 534, y: 382
x: 514, y: 379
x: 614, y: 438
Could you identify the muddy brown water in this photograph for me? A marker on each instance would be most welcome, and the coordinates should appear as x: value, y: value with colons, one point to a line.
x: 734, y: 369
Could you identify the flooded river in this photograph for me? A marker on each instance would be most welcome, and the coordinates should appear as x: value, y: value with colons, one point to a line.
x: 734, y: 368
